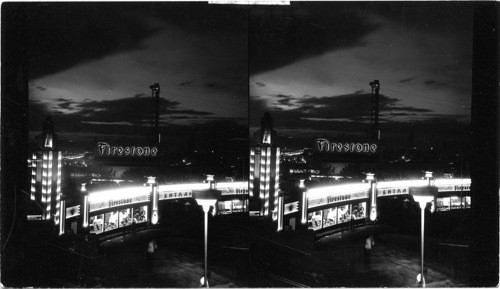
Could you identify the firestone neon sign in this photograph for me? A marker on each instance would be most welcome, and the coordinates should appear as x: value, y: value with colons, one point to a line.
x: 323, y: 145
x: 104, y: 149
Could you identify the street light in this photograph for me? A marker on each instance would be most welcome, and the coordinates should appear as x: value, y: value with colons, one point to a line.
x: 154, y: 200
x: 370, y: 177
x: 422, y: 195
x: 206, y: 199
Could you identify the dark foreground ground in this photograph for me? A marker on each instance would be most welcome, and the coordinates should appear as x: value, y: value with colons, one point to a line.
x: 334, y: 261
x: 239, y: 260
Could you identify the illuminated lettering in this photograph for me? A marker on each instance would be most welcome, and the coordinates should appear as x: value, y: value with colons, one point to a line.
x: 323, y: 145
x: 462, y: 188
x: 104, y: 149
x: 113, y: 203
x: 394, y: 191
x: 102, y: 146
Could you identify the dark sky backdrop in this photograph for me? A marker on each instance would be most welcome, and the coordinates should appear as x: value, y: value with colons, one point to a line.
x: 91, y: 65
x: 311, y: 64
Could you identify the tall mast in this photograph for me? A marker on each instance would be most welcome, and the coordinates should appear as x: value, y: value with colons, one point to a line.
x: 155, y: 119
x: 374, y: 129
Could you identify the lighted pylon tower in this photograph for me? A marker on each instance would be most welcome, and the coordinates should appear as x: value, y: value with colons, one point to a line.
x: 155, y: 118
x: 264, y: 171
x: 46, y: 174
x: 374, y: 129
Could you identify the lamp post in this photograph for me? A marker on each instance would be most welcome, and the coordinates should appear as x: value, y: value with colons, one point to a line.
x: 206, y: 199
x: 370, y: 177
x: 154, y: 200
x: 422, y: 195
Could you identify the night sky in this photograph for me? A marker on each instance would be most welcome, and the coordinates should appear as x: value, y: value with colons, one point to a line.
x: 91, y: 65
x: 311, y: 65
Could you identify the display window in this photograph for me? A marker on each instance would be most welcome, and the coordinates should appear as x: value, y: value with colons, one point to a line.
x: 140, y: 214
x: 314, y: 220
x: 457, y: 203
x: 443, y: 204
x: 224, y: 207
x: 452, y: 203
x: 238, y: 206
x: 329, y: 217
x: 359, y: 210
x: 110, y: 221
x: 344, y: 214
x: 466, y: 201
x: 125, y: 217
x: 96, y: 224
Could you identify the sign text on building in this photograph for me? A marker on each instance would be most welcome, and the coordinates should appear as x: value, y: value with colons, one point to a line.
x: 104, y: 149
x: 323, y: 145
x: 392, y: 191
x: 94, y: 206
x: 175, y: 195
x: 311, y: 203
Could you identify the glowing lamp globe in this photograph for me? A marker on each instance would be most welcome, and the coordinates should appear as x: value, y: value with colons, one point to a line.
x: 423, y: 195
x: 206, y: 198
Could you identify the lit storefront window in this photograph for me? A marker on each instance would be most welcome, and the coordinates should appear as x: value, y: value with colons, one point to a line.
x: 110, y: 221
x: 359, y: 210
x: 344, y: 214
x: 336, y: 215
x: 141, y: 214
x: 329, y: 217
x: 231, y: 206
x: 96, y: 224
x: 314, y: 220
x: 452, y: 203
x: 118, y: 219
x: 224, y: 207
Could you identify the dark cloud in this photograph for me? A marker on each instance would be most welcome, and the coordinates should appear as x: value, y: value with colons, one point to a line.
x: 407, y: 79
x: 180, y: 117
x: 260, y: 84
x: 285, y: 101
x: 186, y: 83
x: 61, y: 99
x: 66, y: 105
x: 187, y: 111
x: 41, y: 88
x: 283, y: 96
x: 57, y: 36
x: 86, y: 116
x: 331, y: 113
x: 280, y: 35
x: 410, y: 109
x: 429, y: 82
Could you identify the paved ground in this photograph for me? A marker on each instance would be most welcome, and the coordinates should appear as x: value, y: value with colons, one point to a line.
x: 335, y: 261
x: 177, y: 263
x: 391, y: 265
